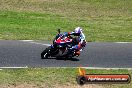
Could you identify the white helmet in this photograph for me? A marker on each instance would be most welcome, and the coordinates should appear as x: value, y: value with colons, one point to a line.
x: 78, y: 30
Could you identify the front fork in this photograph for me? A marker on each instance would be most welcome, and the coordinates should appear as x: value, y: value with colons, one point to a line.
x: 53, y: 50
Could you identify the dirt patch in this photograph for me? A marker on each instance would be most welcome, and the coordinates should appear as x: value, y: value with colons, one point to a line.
x: 26, y: 85
x: 26, y: 5
x: 78, y: 86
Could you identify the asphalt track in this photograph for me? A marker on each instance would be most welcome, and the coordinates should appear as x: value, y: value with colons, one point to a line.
x: 27, y: 53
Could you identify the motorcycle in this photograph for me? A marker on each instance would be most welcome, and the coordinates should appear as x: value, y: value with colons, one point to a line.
x: 61, y: 47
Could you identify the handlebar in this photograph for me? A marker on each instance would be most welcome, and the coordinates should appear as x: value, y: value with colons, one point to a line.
x: 58, y: 31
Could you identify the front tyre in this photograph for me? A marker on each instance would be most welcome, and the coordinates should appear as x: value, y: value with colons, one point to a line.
x: 45, y: 53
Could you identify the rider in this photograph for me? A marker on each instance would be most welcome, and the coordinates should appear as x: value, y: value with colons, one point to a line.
x: 81, y: 40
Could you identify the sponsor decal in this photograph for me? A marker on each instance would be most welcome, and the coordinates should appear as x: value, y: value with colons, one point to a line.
x: 84, y: 78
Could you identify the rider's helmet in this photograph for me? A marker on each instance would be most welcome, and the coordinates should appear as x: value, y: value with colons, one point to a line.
x: 78, y: 30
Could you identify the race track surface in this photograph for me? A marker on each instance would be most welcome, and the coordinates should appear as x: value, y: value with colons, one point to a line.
x: 27, y: 53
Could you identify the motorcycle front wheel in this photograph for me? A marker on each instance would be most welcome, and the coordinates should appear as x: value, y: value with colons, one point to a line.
x: 45, y: 53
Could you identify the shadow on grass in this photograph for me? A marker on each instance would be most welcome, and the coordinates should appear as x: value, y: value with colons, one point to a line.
x: 70, y: 59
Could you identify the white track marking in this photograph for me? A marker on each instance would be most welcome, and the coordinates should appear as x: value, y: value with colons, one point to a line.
x: 94, y: 68
x: 123, y: 42
x: 105, y: 68
x: 13, y: 67
x: 40, y: 43
x: 31, y: 41
x: 46, y: 44
x: 72, y: 67
x: 26, y: 40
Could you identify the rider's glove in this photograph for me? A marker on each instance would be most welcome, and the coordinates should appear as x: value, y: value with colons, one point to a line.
x: 66, y: 34
x: 83, y: 43
x: 74, y: 47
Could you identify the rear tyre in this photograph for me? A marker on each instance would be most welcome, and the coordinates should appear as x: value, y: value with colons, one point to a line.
x: 45, y: 53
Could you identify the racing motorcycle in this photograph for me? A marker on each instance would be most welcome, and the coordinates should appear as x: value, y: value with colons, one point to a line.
x: 61, y: 47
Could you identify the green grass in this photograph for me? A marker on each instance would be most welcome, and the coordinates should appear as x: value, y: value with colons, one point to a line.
x: 102, y: 20
x: 53, y: 76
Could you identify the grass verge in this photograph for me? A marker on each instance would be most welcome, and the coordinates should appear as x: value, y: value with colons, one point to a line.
x: 102, y: 20
x: 53, y: 78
